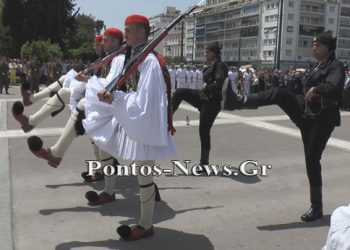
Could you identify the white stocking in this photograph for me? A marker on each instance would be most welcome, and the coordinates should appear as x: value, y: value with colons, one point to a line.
x: 53, y: 104
x: 69, y: 133
x: 147, y: 197
x: 107, y: 159
x: 54, y: 87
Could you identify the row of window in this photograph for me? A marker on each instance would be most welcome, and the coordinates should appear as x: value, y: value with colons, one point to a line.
x: 342, y: 43
x: 250, y: 9
x: 311, y: 20
x: 271, y: 18
x: 314, y: 8
x: 303, y: 19
x: 344, y: 33
x: 345, y: 21
x: 287, y: 53
x: 343, y: 53
x: 345, y: 11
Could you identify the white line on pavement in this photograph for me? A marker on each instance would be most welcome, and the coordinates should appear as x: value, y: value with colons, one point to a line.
x: 6, y: 240
x: 260, y: 122
x: 224, y: 119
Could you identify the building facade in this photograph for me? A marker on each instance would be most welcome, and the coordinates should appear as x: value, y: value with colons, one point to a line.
x: 171, y: 45
x: 249, y: 30
x: 343, y: 50
x: 259, y: 32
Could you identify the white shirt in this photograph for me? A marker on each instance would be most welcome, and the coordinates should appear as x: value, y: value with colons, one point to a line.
x: 199, y: 79
x: 247, y: 78
x: 78, y: 88
x: 116, y: 68
x: 233, y: 76
x: 189, y: 79
x: 172, y: 73
x: 181, y: 78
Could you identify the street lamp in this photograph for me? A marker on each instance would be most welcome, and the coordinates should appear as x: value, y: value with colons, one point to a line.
x: 169, y: 51
x: 278, y: 56
x: 182, y: 41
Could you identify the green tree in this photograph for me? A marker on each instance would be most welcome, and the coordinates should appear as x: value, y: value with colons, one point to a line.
x: 85, y: 51
x: 4, y: 40
x: 12, y: 18
x: 1, y: 7
x: 81, y: 42
x: 99, y: 25
x: 44, y: 50
x: 47, y: 19
x: 29, y: 20
x: 86, y: 29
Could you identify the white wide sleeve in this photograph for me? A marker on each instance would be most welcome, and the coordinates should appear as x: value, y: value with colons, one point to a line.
x: 143, y: 114
x: 116, y: 68
x: 77, y: 92
x: 69, y: 77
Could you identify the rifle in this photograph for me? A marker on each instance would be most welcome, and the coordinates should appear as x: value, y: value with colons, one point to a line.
x: 100, y: 62
x: 136, y: 60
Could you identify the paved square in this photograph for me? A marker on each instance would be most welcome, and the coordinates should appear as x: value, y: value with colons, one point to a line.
x: 44, y: 208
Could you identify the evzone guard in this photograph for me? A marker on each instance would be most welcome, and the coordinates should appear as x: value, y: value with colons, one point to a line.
x: 112, y: 41
x: 61, y: 92
x: 139, y: 124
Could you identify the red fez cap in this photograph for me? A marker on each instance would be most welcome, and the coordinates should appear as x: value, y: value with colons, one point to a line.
x: 136, y: 18
x: 113, y: 32
x: 98, y: 38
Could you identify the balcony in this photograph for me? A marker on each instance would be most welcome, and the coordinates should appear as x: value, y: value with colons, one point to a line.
x: 321, y: 23
x: 232, y: 37
x: 213, y: 39
x: 249, y: 24
x: 312, y: 9
x: 307, y: 20
x: 226, y: 7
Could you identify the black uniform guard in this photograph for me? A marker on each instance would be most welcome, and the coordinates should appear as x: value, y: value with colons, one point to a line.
x: 316, y: 113
x: 208, y: 99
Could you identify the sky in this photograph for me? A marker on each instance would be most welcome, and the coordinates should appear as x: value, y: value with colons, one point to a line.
x: 114, y: 12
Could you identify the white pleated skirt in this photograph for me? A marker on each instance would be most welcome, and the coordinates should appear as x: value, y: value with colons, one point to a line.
x: 109, y: 135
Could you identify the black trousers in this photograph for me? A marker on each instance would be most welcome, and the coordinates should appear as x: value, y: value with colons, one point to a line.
x: 4, y: 83
x: 346, y: 99
x: 208, y: 112
x: 34, y: 84
x: 314, y: 133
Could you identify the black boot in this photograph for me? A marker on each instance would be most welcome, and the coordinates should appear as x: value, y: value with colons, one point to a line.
x: 316, y: 210
x: 250, y: 101
x: 204, y: 160
x: 204, y: 157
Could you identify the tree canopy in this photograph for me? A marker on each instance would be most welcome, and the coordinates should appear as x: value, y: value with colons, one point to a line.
x: 45, y: 20
x: 43, y: 50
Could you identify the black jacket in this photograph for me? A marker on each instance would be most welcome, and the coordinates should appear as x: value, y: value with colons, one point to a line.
x: 214, y: 76
x: 328, y: 82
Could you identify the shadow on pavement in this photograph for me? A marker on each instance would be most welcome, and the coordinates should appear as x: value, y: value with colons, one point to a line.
x: 240, y: 177
x: 128, y: 209
x: 129, y: 205
x: 324, y: 221
x: 164, y: 239
x: 95, y: 185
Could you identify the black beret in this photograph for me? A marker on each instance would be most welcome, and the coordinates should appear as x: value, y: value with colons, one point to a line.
x: 327, y: 39
x: 214, y: 47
